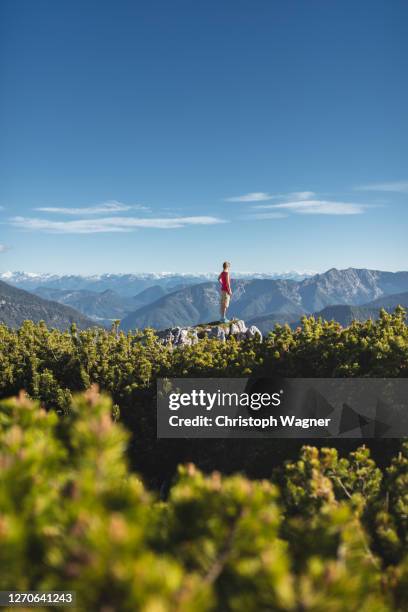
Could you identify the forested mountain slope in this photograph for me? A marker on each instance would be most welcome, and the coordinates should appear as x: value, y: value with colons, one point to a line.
x: 17, y: 305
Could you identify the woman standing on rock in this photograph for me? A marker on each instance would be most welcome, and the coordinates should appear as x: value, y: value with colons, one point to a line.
x: 224, y: 280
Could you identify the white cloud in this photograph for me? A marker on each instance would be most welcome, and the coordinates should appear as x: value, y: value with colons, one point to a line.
x: 318, y: 207
x: 260, y: 196
x: 300, y: 195
x: 393, y: 187
x: 112, y: 206
x: 257, y: 196
x: 3, y: 248
x: 109, y: 224
x: 266, y: 215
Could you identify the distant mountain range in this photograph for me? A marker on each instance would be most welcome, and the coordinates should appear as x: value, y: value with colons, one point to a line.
x: 162, y: 301
x: 107, y: 297
x: 17, y: 305
x: 125, y: 284
x: 274, y: 300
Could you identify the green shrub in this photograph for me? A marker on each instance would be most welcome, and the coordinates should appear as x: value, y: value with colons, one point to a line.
x: 73, y: 517
x: 51, y: 365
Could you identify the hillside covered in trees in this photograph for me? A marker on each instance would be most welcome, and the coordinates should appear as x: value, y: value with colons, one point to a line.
x: 91, y: 501
x: 17, y: 305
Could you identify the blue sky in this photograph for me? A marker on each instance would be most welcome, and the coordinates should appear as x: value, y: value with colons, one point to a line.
x: 169, y: 136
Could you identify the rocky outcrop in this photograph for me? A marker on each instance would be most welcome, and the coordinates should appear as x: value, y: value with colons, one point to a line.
x: 186, y: 336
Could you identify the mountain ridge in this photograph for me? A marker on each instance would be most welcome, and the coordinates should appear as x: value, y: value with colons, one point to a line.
x: 344, y: 294
x: 18, y: 305
x: 252, y: 298
x: 125, y: 284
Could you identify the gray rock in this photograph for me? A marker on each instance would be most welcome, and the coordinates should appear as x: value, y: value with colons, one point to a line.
x: 187, y: 336
x: 166, y: 336
x: 254, y: 332
x: 238, y: 327
x: 217, y: 332
x: 176, y: 331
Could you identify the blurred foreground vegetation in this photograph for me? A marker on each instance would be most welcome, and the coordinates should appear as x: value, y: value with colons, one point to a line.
x: 322, y: 534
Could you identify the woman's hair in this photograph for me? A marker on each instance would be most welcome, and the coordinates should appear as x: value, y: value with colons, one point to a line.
x: 226, y: 265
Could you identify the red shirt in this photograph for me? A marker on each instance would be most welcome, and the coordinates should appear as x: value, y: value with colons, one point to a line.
x: 224, y: 281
